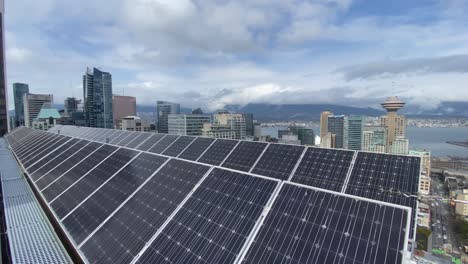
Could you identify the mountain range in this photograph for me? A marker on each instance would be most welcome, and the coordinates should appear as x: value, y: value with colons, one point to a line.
x: 310, y: 112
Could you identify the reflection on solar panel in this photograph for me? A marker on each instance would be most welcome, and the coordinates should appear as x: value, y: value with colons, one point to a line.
x: 163, y: 144
x: 146, y: 145
x: 388, y: 178
x: 214, y: 223
x: 278, y: 161
x: 129, y: 138
x: 102, y: 203
x: 70, y: 198
x: 56, y: 154
x: 218, y: 151
x: 120, y: 137
x: 244, y: 155
x: 125, y: 234
x: 178, y: 146
x: 324, y: 168
x: 311, y: 226
x: 194, y: 151
x: 35, y: 146
x: 45, y: 151
x: 138, y: 140
x: 83, y: 166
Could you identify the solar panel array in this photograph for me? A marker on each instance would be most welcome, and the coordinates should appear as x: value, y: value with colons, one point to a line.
x: 151, y: 198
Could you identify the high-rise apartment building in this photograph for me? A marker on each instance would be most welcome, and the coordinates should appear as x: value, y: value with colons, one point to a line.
x: 304, y: 134
x: 19, y: 90
x: 134, y: 123
x: 337, y: 126
x: 355, y: 129
x: 395, y: 124
x: 249, y: 124
x: 187, y: 125
x: 97, y: 94
x: 33, y: 104
x: 4, y: 119
x: 70, y: 105
x: 122, y: 106
x: 374, y: 139
x: 163, y: 110
x: 226, y: 125
x: 324, y: 129
x: 400, y: 146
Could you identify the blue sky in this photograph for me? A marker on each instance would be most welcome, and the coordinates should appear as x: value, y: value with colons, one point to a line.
x: 215, y: 52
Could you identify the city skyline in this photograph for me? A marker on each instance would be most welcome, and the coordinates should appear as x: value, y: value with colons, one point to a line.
x: 344, y: 52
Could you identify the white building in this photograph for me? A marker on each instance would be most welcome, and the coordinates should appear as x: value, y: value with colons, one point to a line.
x: 400, y: 146
x: 134, y: 123
x: 187, y: 124
x: 226, y: 125
x: 32, y: 104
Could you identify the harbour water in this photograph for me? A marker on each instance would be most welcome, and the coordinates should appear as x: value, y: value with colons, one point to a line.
x: 432, y: 139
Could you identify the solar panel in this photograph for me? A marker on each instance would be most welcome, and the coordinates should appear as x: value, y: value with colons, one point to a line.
x: 103, y: 137
x: 146, y: 145
x: 76, y: 170
x: 24, y: 142
x: 129, y: 138
x: 125, y: 234
x: 97, y: 207
x: 278, y: 161
x: 178, y: 146
x: 388, y: 178
x: 32, y: 145
x: 120, y: 137
x: 214, y: 223
x: 312, y: 226
x: 138, y: 140
x: 163, y: 144
x: 83, y: 187
x: 218, y: 151
x: 36, y: 147
x: 45, y: 151
x: 50, y: 172
x: 53, y: 155
x: 324, y: 168
x: 196, y: 149
x: 244, y: 155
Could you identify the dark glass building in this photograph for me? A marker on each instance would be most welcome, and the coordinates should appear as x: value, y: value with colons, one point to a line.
x: 97, y: 94
x: 4, y: 121
x: 19, y: 90
x: 337, y: 126
x: 164, y: 109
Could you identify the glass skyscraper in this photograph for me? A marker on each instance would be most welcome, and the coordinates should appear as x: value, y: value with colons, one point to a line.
x: 355, y: 128
x: 97, y: 94
x: 4, y: 120
x: 19, y: 90
x: 337, y: 126
x: 164, y: 109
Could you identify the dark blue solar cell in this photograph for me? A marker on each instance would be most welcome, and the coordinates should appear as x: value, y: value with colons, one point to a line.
x: 163, y: 144
x: 194, y: 151
x: 218, y: 151
x: 278, y: 161
x: 178, y: 146
x: 324, y: 168
x: 150, y: 142
x: 244, y: 155
x: 53, y: 156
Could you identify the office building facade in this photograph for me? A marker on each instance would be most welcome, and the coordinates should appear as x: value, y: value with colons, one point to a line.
x: 355, y: 129
x: 19, y: 90
x: 97, y: 94
x: 163, y: 110
x: 134, y: 123
x: 324, y: 129
x: 70, y: 105
x: 4, y: 119
x: 122, y: 106
x: 33, y: 104
x: 337, y: 126
x: 400, y: 146
x: 226, y: 125
x: 187, y: 125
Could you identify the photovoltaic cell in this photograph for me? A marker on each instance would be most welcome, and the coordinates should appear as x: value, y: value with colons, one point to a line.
x: 214, y: 223
x: 57, y: 154
x: 89, y: 215
x: 324, y: 168
x: 129, y: 138
x: 46, y: 150
x: 244, y: 155
x: 138, y: 140
x: 163, y: 144
x: 120, y: 137
x: 86, y: 185
x: 155, y: 138
x: 312, y: 226
x: 278, y: 161
x: 178, y: 146
x: 125, y: 234
x: 388, y: 178
x: 34, y: 146
x: 82, y: 167
x: 218, y: 151
x: 194, y: 151
x: 51, y: 171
